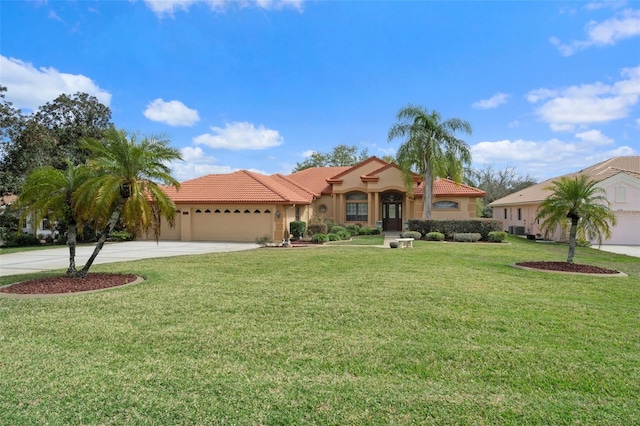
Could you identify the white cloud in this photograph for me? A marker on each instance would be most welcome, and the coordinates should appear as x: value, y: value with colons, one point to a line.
x: 173, y: 113
x: 195, y: 164
x: 548, y: 158
x: 493, y: 102
x: 594, y: 137
x: 168, y: 7
x: 240, y: 135
x: 29, y: 87
x: 605, y: 33
x: 308, y: 153
x: 588, y: 103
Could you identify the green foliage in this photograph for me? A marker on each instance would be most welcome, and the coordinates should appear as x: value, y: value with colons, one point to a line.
x: 353, y: 230
x: 337, y: 228
x: 264, y: 240
x: 344, y: 235
x: 582, y: 206
x: 333, y: 237
x: 497, y: 236
x: 365, y: 230
x: 411, y: 234
x: 467, y: 237
x: 435, y: 236
x: 319, y: 238
x: 25, y: 240
x: 431, y: 147
x: 448, y: 227
x: 341, y: 155
x: 317, y: 228
x: 297, y: 228
x: 121, y: 236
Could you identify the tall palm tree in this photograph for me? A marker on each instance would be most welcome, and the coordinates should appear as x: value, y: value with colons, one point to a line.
x: 580, y: 203
x: 50, y: 193
x: 127, y: 184
x: 431, y: 148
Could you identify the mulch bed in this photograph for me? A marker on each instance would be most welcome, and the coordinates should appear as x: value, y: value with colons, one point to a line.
x: 567, y: 267
x: 62, y: 284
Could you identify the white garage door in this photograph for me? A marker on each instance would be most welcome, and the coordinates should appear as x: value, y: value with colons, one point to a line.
x: 627, y: 230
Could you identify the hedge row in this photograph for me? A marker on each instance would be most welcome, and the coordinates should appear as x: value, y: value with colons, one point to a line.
x: 449, y: 227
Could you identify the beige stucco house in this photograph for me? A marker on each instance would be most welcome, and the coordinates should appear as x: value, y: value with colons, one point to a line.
x: 244, y: 205
x: 618, y: 176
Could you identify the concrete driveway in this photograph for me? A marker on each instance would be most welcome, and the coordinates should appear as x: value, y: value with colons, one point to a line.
x: 58, y: 258
x: 628, y: 250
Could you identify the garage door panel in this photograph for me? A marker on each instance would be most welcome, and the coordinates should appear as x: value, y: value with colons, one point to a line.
x: 237, y: 224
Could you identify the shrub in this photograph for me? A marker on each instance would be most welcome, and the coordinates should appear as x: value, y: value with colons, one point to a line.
x: 467, y: 237
x: 337, y: 228
x: 121, y: 236
x: 264, y: 240
x: 317, y: 228
x: 24, y: 240
x: 353, y: 230
x: 450, y: 227
x: 435, y: 236
x: 297, y: 228
x: 333, y: 237
x: 497, y: 236
x: 411, y: 234
x: 344, y: 235
x: 319, y: 238
x: 375, y: 231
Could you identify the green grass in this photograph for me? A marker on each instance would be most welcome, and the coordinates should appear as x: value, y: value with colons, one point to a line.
x: 361, y: 240
x: 439, y: 334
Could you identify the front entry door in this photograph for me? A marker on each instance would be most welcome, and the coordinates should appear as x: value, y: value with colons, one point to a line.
x: 392, y: 216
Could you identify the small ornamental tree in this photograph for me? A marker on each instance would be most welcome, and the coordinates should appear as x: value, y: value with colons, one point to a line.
x: 579, y: 204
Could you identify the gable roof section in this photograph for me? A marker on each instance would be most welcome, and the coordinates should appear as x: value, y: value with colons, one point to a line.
x: 374, y: 176
x: 315, y: 178
x: 598, y: 172
x: 239, y: 187
x: 443, y: 187
x: 338, y: 178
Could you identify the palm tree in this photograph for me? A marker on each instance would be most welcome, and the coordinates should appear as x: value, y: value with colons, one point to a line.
x: 126, y: 186
x: 50, y: 193
x: 431, y: 148
x: 580, y: 201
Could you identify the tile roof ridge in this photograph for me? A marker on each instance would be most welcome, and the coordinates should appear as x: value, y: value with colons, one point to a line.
x: 297, y: 184
x: 355, y: 166
x: 263, y: 180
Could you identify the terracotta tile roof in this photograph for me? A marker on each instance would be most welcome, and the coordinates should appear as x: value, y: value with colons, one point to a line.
x: 239, y: 187
x: 315, y: 178
x: 338, y: 178
x: 447, y: 187
x: 598, y: 172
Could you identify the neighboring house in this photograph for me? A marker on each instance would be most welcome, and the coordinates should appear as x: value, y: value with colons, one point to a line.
x: 42, y: 228
x: 244, y: 205
x: 618, y: 176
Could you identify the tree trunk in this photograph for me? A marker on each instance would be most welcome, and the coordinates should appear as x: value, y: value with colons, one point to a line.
x: 572, y: 239
x: 72, y: 231
x: 113, y: 220
x: 427, y: 190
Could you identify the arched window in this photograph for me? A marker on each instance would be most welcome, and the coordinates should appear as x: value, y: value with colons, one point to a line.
x: 357, y: 207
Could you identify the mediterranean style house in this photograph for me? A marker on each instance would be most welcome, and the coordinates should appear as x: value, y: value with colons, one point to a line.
x: 618, y: 176
x: 244, y: 205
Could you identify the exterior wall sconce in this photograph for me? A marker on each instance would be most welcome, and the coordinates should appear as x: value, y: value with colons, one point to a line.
x: 278, y: 214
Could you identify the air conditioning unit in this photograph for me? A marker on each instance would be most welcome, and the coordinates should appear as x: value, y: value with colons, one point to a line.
x: 518, y: 230
x: 511, y: 229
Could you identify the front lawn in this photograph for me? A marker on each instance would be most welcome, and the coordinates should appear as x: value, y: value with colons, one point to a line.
x: 442, y: 333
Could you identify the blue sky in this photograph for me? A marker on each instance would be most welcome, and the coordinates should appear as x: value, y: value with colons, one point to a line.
x: 549, y: 87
